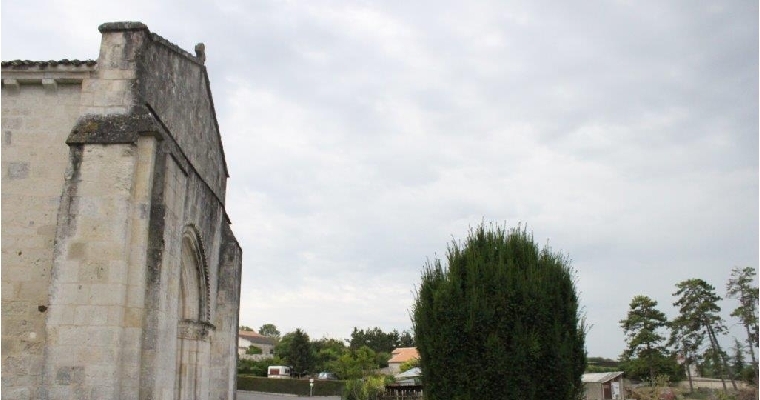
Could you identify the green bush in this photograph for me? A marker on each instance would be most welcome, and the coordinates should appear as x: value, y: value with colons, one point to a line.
x: 500, y: 322
x: 369, y: 388
x: 251, y: 367
x: 298, y: 387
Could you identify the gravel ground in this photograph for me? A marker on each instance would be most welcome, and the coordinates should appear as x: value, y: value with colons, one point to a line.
x: 248, y: 395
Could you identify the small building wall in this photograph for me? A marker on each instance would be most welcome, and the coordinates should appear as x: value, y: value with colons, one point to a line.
x: 602, y: 389
x: 267, y: 350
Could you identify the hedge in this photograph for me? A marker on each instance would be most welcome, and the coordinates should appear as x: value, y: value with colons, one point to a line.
x: 500, y: 320
x: 298, y: 387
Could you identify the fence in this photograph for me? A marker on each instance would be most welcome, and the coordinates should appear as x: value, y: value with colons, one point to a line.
x: 402, y: 392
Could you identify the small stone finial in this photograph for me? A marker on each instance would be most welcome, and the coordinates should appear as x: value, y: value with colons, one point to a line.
x: 200, y: 52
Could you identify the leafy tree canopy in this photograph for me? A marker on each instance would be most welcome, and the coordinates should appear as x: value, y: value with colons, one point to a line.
x: 379, y: 341
x: 355, y: 364
x: 269, y: 330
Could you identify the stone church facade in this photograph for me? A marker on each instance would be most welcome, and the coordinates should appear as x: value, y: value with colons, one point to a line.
x: 120, y: 272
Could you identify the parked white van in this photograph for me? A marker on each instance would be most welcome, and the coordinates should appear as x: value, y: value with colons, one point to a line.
x: 278, y: 371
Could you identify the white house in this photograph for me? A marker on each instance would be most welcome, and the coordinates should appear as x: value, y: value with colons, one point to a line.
x: 246, y: 339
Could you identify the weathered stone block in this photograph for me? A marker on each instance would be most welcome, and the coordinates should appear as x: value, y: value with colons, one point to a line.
x: 18, y: 170
x: 69, y: 376
x: 15, y: 308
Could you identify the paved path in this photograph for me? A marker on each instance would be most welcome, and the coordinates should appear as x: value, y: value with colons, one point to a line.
x: 247, y: 395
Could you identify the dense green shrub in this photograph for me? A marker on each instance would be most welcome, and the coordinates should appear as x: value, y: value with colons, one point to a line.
x: 500, y: 321
x: 638, y: 369
x: 298, y: 387
x: 258, y: 368
x: 369, y: 388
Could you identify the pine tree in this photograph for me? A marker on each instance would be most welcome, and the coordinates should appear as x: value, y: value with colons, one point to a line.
x: 500, y: 322
x: 642, y: 326
x: 300, y: 355
x: 740, y: 287
x: 699, y: 312
x: 738, y: 359
x: 686, y: 342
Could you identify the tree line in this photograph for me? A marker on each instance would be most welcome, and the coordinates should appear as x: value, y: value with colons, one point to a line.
x: 658, y: 346
x: 366, y: 351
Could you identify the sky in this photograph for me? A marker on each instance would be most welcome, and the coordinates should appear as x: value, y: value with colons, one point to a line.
x: 363, y: 137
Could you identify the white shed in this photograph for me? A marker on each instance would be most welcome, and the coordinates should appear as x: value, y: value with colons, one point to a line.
x: 604, y: 385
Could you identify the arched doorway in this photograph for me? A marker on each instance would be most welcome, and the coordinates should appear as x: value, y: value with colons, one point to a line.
x: 193, y: 327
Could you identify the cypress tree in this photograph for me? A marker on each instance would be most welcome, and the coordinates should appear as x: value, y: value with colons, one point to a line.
x: 500, y: 321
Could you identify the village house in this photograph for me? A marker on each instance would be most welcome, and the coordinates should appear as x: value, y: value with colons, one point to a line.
x: 264, y: 344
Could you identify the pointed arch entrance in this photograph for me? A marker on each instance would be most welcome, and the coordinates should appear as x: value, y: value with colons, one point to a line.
x: 193, y: 326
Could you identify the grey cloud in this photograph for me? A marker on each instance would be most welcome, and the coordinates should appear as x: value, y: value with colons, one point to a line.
x: 362, y: 136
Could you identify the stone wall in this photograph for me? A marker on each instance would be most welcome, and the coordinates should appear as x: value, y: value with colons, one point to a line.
x: 176, y: 85
x: 37, y: 115
x: 121, y: 275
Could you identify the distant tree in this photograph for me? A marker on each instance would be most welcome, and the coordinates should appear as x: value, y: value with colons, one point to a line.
x: 686, y: 342
x: 270, y: 330
x: 405, y: 339
x: 245, y: 328
x: 355, y: 364
x: 501, y: 321
x: 712, y: 366
x: 253, y: 350
x: 327, y: 351
x: 642, y: 328
x: 366, y: 358
x: 345, y: 367
x: 600, y: 360
x: 665, y: 364
x: 699, y: 312
x: 737, y: 365
x: 379, y: 341
x: 375, y: 339
x: 591, y: 368
x: 282, y: 348
x: 740, y: 286
x: 300, y: 357
x: 602, y: 364
x: 382, y: 359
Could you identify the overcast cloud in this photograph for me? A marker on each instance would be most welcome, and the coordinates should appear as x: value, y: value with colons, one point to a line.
x: 362, y: 136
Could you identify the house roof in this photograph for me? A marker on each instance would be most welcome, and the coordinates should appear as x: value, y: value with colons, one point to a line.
x: 255, y: 337
x: 415, y: 372
x: 600, y: 377
x: 403, y: 354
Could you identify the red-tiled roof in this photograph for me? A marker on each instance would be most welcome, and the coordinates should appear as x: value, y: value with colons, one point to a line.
x: 404, y: 354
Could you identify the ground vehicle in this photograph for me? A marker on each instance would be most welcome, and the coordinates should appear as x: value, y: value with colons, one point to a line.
x: 278, y: 371
x: 326, y: 376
